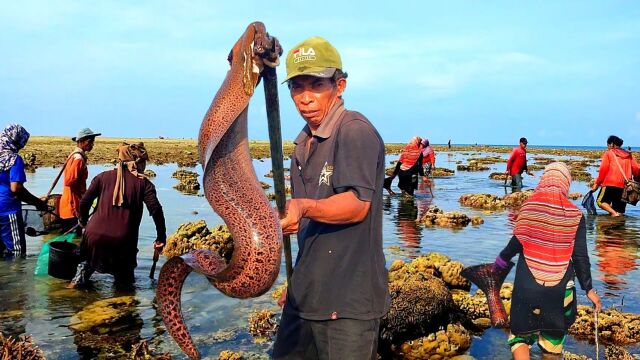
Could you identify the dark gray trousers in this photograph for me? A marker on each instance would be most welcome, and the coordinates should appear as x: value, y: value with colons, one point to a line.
x: 347, y: 339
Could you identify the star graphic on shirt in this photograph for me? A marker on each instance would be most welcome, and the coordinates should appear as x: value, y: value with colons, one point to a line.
x: 325, y: 175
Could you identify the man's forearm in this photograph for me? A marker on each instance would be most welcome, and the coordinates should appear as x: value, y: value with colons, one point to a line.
x: 344, y: 208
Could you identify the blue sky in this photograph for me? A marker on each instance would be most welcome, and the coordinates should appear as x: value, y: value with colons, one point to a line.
x: 488, y: 72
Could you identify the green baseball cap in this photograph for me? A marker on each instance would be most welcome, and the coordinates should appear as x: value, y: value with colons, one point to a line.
x: 314, y: 56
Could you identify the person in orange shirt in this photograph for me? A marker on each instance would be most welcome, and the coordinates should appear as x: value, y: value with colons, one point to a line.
x: 617, y: 164
x: 75, y: 178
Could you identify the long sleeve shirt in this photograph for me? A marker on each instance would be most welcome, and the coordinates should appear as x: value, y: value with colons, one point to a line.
x: 74, y: 185
x: 610, y: 174
x: 580, y: 256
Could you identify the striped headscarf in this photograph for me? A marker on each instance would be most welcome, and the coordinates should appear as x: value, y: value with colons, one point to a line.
x: 547, y: 225
x: 410, y: 154
x: 13, y: 138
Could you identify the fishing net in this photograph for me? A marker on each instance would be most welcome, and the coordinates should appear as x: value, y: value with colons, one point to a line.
x: 490, y: 282
x: 34, y: 220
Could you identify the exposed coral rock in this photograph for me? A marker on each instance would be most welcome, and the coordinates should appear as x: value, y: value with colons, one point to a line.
x: 614, y: 327
x: 570, y: 356
x: 264, y: 185
x: 140, y: 351
x: 472, y: 166
x: 499, y: 176
x: 150, y: 173
x: 262, y: 325
x: 103, y: 314
x: 272, y: 196
x: 435, y: 216
x: 482, y: 201
x: 614, y: 352
x: 30, y: 162
x: 486, y: 160
x: 21, y: 348
x: 580, y: 175
x: 574, y: 195
x: 517, y: 198
x: 443, y: 344
x: 442, y: 172
x: 475, y: 306
x: 277, y: 293
x: 188, y: 181
x: 241, y: 355
x: 477, y: 220
x: 196, y: 235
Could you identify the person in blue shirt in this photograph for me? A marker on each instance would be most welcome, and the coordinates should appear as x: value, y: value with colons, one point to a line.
x: 12, y: 191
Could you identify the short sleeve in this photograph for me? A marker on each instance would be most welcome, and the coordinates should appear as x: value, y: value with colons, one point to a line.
x: 356, y: 159
x: 17, y: 174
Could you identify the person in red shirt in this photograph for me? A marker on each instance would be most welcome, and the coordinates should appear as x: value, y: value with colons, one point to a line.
x: 617, y: 164
x: 517, y: 164
x: 75, y: 178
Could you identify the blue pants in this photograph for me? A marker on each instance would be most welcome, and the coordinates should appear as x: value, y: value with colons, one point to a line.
x: 12, y: 233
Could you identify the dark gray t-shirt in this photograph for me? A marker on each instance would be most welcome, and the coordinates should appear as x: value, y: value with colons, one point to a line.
x: 340, y: 269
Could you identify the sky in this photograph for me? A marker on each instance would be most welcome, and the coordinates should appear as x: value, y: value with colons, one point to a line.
x: 557, y: 72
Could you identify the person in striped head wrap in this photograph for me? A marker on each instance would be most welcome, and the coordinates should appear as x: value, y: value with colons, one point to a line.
x: 550, y: 237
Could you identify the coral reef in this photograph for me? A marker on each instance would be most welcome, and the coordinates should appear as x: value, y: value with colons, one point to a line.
x: 150, y: 173
x: 435, y: 216
x: 21, y: 348
x: 517, y: 198
x: 574, y: 195
x: 475, y: 306
x: 103, y: 314
x: 472, y: 166
x: 570, y: 356
x: 499, y: 176
x: 140, y: 351
x: 264, y: 185
x: 241, y: 355
x: 30, y: 160
x: 262, y: 325
x: 487, y: 160
x: 277, y: 293
x: 580, y: 175
x: 482, y: 201
x: 614, y: 327
x: 195, y: 235
x: 442, y: 344
x: 272, y: 196
x: 614, y: 352
x: 188, y: 181
x: 442, y: 172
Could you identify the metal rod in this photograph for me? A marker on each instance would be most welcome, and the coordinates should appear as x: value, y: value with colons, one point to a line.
x: 270, y: 79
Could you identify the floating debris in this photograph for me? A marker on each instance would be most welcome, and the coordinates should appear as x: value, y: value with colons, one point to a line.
x: 615, y: 327
x: 21, y: 348
x: 196, y: 236
x: 436, y: 216
x: 262, y: 325
x: 443, y: 344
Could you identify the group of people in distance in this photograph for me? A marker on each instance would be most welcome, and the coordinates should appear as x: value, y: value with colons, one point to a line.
x: 110, y: 237
x: 338, y: 291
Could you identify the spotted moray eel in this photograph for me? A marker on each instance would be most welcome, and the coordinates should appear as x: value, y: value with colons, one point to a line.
x: 233, y: 190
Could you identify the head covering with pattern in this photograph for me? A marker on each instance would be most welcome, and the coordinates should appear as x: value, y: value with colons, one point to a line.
x: 13, y: 138
x: 132, y: 157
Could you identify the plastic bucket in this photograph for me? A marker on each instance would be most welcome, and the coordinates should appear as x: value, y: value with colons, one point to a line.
x: 63, y: 259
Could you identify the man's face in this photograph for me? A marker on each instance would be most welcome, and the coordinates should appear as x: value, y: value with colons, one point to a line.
x: 523, y: 145
x: 86, y: 144
x: 314, y: 97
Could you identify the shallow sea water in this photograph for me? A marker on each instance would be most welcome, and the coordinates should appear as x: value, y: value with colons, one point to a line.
x: 42, y: 306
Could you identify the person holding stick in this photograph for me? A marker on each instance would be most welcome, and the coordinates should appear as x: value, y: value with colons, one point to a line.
x: 338, y: 290
x: 75, y: 179
x: 12, y: 191
x: 110, y: 241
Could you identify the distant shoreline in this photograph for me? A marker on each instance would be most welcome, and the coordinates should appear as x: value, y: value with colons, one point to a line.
x: 53, y: 150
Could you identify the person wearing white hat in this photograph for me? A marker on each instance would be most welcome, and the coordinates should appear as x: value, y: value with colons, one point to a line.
x: 75, y: 178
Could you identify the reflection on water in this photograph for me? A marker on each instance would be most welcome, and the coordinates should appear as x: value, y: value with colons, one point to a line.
x: 617, y: 251
x: 43, y: 306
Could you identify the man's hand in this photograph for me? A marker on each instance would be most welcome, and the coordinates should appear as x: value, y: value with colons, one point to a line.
x: 595, y: 299
x: 283, y: 298
x: 595, y: 187
x: 294, y: 212
x: 42, y: 206
x: 158, y: 246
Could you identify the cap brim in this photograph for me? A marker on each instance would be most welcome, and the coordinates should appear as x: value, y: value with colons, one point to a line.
x: 85, y: 137
x: 317, y: 72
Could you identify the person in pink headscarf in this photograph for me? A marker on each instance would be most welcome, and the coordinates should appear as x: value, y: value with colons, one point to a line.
x: 428, y: 157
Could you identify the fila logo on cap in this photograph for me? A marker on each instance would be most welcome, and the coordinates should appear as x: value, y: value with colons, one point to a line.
x: 302, y: 54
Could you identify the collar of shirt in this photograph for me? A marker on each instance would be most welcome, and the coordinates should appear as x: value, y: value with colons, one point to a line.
x: 326, y: 128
